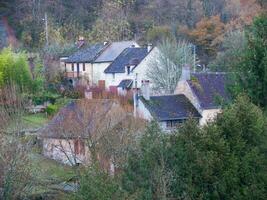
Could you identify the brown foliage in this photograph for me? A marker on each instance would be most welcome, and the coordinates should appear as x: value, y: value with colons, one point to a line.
x: 208, y: 34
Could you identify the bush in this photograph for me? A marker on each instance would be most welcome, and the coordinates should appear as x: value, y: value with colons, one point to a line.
x: 52, y: 109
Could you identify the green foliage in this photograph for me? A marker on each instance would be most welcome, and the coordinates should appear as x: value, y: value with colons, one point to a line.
x: 147, y: 175
x: 253, y: 67
x: 51, y: 109
x: 14, y: 69
x: 223, y: 160
x: 40, y: 98
x: 233, y: 46
x: 98, y: 185
x: 54, y: 108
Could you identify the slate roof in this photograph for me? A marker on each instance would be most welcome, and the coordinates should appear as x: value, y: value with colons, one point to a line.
x: 87, y: 54
x: 126, y: 83
x: 127, y: 57
x: 83, y: 117
x: 209, y: 88
x: 114, y: 50
x: 170, y: 107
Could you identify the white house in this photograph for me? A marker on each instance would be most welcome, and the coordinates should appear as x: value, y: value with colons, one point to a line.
x: 88, y: 64
x: 206, y: 91
x: 168, y: 110
x: 129, y: 68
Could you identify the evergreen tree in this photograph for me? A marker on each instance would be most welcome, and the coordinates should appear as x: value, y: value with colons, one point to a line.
x: 253, y: 68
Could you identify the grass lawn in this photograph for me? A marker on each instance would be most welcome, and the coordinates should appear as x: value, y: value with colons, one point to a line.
x: 49, y: 173
x: 51, y: 170
x: 34, y: 120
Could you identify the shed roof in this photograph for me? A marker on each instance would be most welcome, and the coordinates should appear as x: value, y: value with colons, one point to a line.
x: 84, y: 117
x: 170, y: 107
x: 210, y: 88
x: 126, y: 58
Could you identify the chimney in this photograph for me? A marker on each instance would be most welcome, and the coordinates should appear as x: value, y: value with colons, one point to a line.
x: 80, y: 41
x: 88, y: 94
x: 145, y: 89
x: 81, y: 38
x: 185, y: 73
x: 149, y: 47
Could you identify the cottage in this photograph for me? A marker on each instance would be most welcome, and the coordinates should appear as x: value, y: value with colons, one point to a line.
x: 169, y: 111
x: 90, y: 61
x: 73, y: 134
x: 207, y: 91
x: 129, y: 68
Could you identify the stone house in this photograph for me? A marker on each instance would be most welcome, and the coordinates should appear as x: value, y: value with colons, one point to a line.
x: 207, y: 91
x: 71, y: 136
x: 169, y: 111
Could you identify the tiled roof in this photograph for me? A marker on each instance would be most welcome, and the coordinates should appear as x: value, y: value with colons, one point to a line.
x: 113, y: 51
x: 171, y: 107
x: 126, y: 58
x: 87, y: 54
x: 83, y: 117
x: 126, y: 83
x: 209, y: 88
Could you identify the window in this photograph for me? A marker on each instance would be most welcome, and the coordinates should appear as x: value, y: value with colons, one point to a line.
x: 128, y: 70
x: 72, y: 67
x: 83, y: 66
x: 113, y: 76
x: 174, y: 123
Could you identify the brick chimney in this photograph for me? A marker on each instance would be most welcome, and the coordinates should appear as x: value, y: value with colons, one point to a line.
x: 80, y: 41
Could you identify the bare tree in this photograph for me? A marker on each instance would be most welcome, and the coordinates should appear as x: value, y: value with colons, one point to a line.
x: 92, y: 131
x: 165, y: 70
x: 16, y: 177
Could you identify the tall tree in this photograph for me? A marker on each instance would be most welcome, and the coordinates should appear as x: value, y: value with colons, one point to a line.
x: 253, y: 68
x: 230, y: 55
x: 224, y: 160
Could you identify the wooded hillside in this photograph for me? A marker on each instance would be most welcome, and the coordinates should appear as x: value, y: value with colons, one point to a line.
x: 145, y: 20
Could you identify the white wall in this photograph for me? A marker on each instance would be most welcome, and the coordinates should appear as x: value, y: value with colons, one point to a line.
x: 98, y: 71
x: 140, y: 70
x: 143, y: 112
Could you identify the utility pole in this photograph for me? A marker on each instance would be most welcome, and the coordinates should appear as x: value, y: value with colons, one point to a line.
x: 46, y: 29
